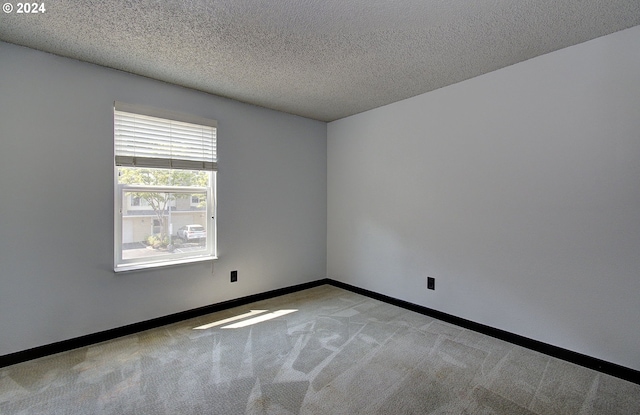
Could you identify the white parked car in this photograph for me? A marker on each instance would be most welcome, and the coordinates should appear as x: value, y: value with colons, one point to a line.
x: 190, y: 232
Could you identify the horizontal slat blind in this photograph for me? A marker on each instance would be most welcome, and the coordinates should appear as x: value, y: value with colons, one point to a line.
x: 143, y: 140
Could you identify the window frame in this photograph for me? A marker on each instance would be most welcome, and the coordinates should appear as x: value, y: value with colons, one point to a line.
x: 209, y: 252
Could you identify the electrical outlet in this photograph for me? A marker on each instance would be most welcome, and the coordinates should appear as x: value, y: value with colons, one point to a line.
x: 431, y: 283
x: 234, y: 276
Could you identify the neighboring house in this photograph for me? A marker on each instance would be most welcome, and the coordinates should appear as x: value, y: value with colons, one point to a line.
x: 139, y: 220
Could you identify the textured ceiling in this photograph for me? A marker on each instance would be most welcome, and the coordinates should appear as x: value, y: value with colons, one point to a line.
x: 322, y: 59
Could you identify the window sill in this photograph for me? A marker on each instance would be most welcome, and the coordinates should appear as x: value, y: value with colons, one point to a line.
x: 141, y: 266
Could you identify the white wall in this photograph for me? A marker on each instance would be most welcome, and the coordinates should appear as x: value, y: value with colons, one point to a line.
x: 519, y: 191
x: 56, y: 202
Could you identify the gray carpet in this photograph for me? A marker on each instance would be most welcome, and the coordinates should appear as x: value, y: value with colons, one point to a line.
x: 339, y: 353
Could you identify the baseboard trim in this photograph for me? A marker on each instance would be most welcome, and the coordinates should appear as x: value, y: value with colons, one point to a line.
x: 602, y: 366
x: 90, y: 339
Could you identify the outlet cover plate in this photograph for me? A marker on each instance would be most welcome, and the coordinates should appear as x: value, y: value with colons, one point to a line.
x: 431, y: 283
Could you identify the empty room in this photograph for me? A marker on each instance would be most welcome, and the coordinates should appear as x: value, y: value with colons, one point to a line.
x: 301, y: 207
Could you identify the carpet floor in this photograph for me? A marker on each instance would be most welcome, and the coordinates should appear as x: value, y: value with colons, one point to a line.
x: 319, y: 351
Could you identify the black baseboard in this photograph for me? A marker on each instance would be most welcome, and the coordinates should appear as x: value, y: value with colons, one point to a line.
x: 102, y: 336
x: 609, y: 368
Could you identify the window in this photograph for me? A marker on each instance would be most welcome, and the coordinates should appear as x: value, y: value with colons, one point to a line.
x: 165, y: 177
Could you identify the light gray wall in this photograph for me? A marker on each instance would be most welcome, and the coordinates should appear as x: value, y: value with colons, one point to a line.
x: 519, y: 191
x: 56, y: 202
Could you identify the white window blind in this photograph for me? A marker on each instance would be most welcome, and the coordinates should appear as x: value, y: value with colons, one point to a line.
x: 148, y: 137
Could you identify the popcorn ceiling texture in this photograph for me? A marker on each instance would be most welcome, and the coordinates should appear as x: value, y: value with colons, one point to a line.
x: 323, y: 60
